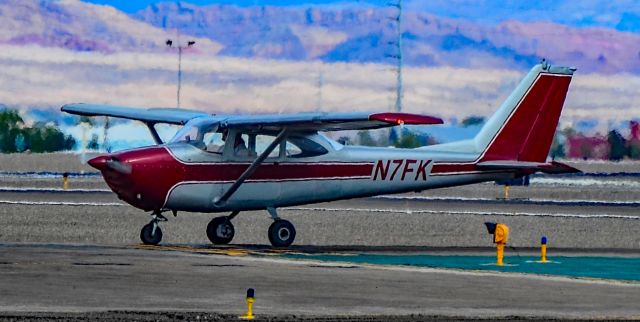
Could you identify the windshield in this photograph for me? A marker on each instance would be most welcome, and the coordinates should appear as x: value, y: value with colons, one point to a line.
x: 198, y: 133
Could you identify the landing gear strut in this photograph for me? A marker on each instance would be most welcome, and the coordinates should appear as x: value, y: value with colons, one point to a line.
x: 151, y: 234
x: 220, y: 229
x: 281, y: 232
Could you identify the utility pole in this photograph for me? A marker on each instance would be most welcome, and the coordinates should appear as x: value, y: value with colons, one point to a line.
x: 180, y: 47
x: 396, y: 134
x: 398, y: 55
x: 320, y: 85
x: 105, y: 142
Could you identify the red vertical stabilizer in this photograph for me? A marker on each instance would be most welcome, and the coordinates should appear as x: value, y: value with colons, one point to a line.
x: 528, y: 132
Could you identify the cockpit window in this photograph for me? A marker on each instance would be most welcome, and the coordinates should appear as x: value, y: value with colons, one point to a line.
x: 202, y: 134
x: 207, y: 136
x: 301, y: 147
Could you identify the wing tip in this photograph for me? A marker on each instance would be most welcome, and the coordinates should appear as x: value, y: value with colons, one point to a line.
x: 405, y: 118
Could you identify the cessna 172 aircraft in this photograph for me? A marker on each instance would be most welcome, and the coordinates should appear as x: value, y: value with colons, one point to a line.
x: 264, y: 162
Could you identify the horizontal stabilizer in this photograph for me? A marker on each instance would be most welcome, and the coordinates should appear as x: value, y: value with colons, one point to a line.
x: 553, y: 167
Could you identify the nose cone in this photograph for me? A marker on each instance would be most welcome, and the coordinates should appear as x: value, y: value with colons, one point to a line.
x: 99, y: 163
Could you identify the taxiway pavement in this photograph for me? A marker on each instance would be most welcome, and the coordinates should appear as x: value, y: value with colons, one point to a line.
x: 84, y: 278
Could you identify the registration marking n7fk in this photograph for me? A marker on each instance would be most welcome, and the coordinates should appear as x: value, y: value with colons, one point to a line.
x: 402, y: 169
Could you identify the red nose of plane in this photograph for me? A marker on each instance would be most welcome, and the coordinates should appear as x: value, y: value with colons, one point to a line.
x: 108, y: 162
x: 100, y: 162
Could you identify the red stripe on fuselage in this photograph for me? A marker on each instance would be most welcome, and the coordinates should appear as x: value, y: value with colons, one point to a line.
x: 155, y: 171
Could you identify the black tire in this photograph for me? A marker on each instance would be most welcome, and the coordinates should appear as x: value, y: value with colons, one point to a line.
x: 220, y: 230
x: 282, y: 233
x: 147, y: 238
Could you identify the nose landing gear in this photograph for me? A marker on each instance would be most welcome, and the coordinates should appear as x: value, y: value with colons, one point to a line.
x: 151, y: 234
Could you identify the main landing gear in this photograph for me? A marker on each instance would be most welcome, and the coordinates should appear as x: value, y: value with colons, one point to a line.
x: 281, y: 232
x: 220, y: 230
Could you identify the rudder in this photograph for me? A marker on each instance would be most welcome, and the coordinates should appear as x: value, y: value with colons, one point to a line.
x: 524, y: 126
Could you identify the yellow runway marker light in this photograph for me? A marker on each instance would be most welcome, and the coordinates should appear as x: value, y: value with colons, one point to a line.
x: 500, y: 234
x: 65, y: 181
x: 543, y: 249
x: 250, y: 299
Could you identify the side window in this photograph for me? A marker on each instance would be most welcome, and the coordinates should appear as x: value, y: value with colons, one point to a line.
x: 292, y: 149
x: 262, y: 142
x: 214, y: 142
x: 301, y: 147
x: 240, y: 148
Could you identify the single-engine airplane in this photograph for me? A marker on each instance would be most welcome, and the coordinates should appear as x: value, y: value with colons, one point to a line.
x: 273, y: 161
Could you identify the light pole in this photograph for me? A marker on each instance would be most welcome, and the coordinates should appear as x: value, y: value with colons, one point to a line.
x: 396, y: 134
x: 180, y: 48
x: 398, y: 55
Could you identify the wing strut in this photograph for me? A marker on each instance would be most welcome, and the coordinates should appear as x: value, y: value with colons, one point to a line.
x: 251, y: 169
x: 154, y: 132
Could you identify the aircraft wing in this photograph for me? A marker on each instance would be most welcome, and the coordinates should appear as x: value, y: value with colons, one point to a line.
x: 151, y: 115
x: 298, y: 121
x: 327, y: 121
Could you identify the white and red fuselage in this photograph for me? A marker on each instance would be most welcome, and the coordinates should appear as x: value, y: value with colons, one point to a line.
x: 181, y: 176
x: 163, y: 177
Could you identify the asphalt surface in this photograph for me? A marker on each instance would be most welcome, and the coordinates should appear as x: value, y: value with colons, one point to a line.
x: 75, y: 254
x: 82, y: 278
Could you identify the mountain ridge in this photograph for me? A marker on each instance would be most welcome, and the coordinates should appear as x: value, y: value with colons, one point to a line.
x: 349, y: 33
x: 368, y: 34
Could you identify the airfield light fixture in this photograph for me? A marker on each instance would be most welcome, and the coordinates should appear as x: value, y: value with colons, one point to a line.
x: 170, y: 43
x: 543, y: 249
x: 500, y: 234
x: 250, y: 299
x: 65, y: 180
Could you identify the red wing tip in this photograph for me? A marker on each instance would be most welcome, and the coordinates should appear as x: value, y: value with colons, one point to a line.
x: 405, y: 118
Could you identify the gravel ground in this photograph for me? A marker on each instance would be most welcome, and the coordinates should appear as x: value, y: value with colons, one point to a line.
x: 329, y: 224
x: 54, y: 162
x: 207, y: 316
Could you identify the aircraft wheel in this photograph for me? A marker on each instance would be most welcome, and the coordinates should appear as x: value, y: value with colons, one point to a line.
x: 148, y: 236
x: 220, y: 230
x: 281, y: 233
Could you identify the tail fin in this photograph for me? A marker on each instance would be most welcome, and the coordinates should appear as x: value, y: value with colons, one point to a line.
x: 523, y: 127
